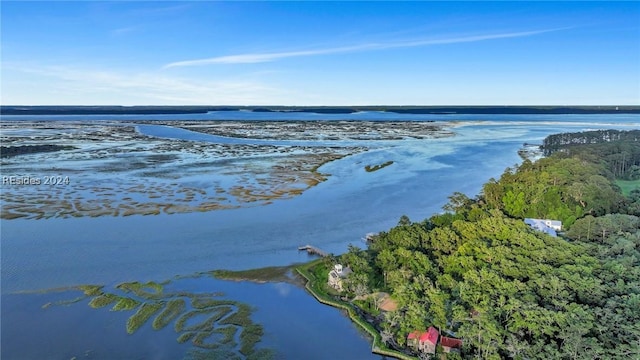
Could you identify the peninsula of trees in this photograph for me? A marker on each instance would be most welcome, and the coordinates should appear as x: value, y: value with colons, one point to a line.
x: 477, y: 272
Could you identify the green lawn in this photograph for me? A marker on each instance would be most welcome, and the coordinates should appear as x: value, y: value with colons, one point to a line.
x: 628, y: 185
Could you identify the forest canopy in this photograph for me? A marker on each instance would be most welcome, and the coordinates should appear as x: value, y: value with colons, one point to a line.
x: 479, y: 273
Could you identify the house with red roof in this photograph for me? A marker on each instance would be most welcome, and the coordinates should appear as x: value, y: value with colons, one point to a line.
x: 450, y: 344
x: 424, y: 341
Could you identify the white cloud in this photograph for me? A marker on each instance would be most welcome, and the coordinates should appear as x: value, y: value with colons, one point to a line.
x: 266, y: 57
x: 259, y: 58
x: 40, y: 84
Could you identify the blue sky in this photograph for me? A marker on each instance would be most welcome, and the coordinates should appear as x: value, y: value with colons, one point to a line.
x: 320, y: 53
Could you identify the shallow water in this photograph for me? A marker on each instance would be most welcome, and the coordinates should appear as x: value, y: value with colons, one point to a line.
x: 44, y: 254
x: 65, y: 331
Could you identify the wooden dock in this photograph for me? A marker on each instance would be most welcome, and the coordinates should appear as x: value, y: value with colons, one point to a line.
x: 313, y: 250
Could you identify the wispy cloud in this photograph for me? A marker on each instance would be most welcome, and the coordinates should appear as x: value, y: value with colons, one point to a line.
x: 143, y: 9
x: 91, y: 86
x: 258, y: 58
x: 122, y: 31
x: 266, y: 57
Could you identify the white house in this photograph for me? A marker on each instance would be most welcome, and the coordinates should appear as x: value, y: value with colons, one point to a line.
x: 545, y: 225
x: 336, y: 275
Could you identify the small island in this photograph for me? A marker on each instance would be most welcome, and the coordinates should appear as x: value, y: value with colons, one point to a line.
x: 369, y: 168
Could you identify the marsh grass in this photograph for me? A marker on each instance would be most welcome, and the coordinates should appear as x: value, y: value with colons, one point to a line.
x: 217, y: 314
x: 217, y: 354
x: 186, y: 336
x: 262, y: 354
x: 148, y: 290
x: 200, y: 340
x: 91, y: 290
x: 289, y: 176
x: 220, y: 327
x: 200, y: 303
x: 250, y: 336
x: 173, y: 309
x: 240, y: 317
x: 267, y: 274
x: 373, y: 168
x: 229, y: 332
x: 7, y: 215
x: 125, y: 303
x: 142, y: 315
x: 71, y: 301
x: 102, y: 300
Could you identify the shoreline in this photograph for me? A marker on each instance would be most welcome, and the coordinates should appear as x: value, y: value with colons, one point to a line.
x: 305, y: 279
x: 313, y: 286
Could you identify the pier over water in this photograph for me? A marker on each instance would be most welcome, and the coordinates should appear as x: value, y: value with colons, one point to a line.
x: 313, y: 250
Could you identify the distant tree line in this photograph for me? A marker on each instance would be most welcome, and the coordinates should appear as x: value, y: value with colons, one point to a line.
x: 553, y: 143
x: 87, y: 110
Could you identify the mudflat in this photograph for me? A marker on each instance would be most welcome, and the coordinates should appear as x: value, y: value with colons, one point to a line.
x: 108, y: 168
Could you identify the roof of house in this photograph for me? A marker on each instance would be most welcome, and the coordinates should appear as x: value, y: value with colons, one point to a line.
x: 431, y: 335
x: 388, y: 304
x: 553, y: 222
x: 450, y: 342
x: 346, y: 271
x: 540, y: 225
x: 414, y: 335
x: 343, y: 274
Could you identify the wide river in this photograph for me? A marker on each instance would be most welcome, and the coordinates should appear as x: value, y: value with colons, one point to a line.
x: 57, y: 253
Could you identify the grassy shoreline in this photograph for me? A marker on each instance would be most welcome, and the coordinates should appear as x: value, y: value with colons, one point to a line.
x: 260, y: 275
x: 306, y: 275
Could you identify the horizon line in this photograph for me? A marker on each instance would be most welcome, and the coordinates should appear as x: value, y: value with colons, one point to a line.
x: 355, y: 107
x: 321, y: 106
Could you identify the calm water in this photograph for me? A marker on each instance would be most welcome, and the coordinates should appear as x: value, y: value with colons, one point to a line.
x: 44, y: 254
x: 289, y: 315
